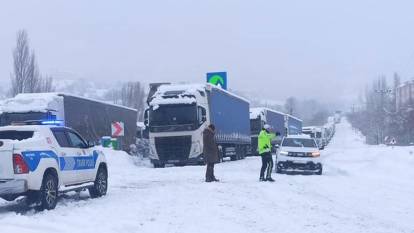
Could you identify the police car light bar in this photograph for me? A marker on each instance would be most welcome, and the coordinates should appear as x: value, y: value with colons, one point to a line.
x: 39, y: 122
x: 52, y: 122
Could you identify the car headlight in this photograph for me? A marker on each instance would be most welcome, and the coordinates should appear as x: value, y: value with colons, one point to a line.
x: 283, y: 153
x: 316, y: 154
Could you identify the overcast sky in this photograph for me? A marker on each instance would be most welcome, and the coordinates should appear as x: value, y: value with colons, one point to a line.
x: 323, y: 49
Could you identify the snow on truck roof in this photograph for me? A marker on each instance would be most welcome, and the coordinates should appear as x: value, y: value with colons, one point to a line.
x: 31, y: 102
x: 256, y: 112
x: 260, y: 111
x: 41, y: 102
x: 184, y: 92
x: 293, y: 117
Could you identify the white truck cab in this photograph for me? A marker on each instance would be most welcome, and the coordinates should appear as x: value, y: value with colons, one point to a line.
x: 299, y: 153
x: 42, y: 159
x: 317, y: 133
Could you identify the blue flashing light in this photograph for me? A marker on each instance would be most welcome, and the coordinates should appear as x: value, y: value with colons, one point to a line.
x: 52, y: 122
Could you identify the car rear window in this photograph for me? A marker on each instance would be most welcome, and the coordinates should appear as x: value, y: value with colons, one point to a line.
x: 16, y: 135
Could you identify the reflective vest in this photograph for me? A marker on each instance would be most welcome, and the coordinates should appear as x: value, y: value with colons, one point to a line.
x: 265, y: 142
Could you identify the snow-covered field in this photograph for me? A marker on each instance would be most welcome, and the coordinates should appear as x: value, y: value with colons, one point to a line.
x: 363, y: 189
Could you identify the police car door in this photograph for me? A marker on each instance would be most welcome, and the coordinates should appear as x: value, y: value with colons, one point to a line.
x: 85, y: 160
x: 66, y: 156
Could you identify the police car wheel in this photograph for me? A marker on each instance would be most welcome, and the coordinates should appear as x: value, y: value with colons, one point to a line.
x: 100, y: 186
x: 48, y: 192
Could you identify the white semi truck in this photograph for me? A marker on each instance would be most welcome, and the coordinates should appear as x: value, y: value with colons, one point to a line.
x: 178, y: 114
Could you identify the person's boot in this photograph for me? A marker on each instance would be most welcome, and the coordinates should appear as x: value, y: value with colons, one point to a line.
x: 215, y: 179
x: 262, y: 179
x: 270, y: 179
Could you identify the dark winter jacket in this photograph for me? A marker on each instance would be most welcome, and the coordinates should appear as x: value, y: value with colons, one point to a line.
x: 210, y: 149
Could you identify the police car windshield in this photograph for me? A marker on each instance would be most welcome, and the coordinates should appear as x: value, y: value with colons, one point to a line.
x: 16, y: 135
x: 298, y: 142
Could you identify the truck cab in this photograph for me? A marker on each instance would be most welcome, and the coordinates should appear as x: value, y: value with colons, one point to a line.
x: 177, y: 117
x: 317, y: 133
x: 261, y: 116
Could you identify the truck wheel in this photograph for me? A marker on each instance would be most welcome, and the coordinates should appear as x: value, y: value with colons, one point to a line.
x: 48, y: 192
x: 100, y: 185
x: 159, y: 165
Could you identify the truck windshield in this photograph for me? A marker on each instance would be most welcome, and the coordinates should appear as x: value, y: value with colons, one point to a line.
x: 8, y: 118
x: 298, y: 142
x: 177, y: 117
x: 255, y: 125
x: 16, y: 135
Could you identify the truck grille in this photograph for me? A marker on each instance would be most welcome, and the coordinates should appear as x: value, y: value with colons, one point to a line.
x: 173, y: 149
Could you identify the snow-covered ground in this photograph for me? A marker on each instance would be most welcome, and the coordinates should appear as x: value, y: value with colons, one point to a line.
x: 363, y: 189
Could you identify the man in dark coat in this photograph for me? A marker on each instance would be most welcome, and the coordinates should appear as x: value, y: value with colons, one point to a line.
x: 210, y: 151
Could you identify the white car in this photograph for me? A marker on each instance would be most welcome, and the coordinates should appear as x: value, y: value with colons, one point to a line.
x: 299, y: 153
x: 43, y: 161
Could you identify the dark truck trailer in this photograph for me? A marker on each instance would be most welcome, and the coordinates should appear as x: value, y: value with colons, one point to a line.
x: 231, y: 116
x: 294, y: 125
x: 261, y: 116
x: 91, y: 118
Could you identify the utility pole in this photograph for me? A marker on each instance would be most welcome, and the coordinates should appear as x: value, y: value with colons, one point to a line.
x: 383, y: 93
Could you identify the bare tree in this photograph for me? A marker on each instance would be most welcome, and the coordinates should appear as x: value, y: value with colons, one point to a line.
x: 46, y: 84
x: 133, y: 95
x: 130, y: 94
x: 290, y: 105
x: 26, y: 77
x: 22, y: 63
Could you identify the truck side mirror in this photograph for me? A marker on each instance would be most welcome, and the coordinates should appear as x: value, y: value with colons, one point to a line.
x: 202, y: 114
x: 146, y: 117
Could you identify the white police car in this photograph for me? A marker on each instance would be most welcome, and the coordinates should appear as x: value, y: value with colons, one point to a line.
x: 299, y: 153
x: 43, y: 161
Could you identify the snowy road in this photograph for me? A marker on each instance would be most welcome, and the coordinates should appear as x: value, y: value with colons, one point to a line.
x: 363, y: 189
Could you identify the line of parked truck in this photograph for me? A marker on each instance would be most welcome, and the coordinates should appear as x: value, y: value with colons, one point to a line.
x: 178, y: 114
x: 174, y: 121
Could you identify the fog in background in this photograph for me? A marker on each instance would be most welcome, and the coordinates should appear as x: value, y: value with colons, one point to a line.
x: 272, y: 49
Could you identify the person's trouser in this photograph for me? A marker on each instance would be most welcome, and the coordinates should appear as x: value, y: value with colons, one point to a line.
x: 267, y: 163
x: 210, y: 172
